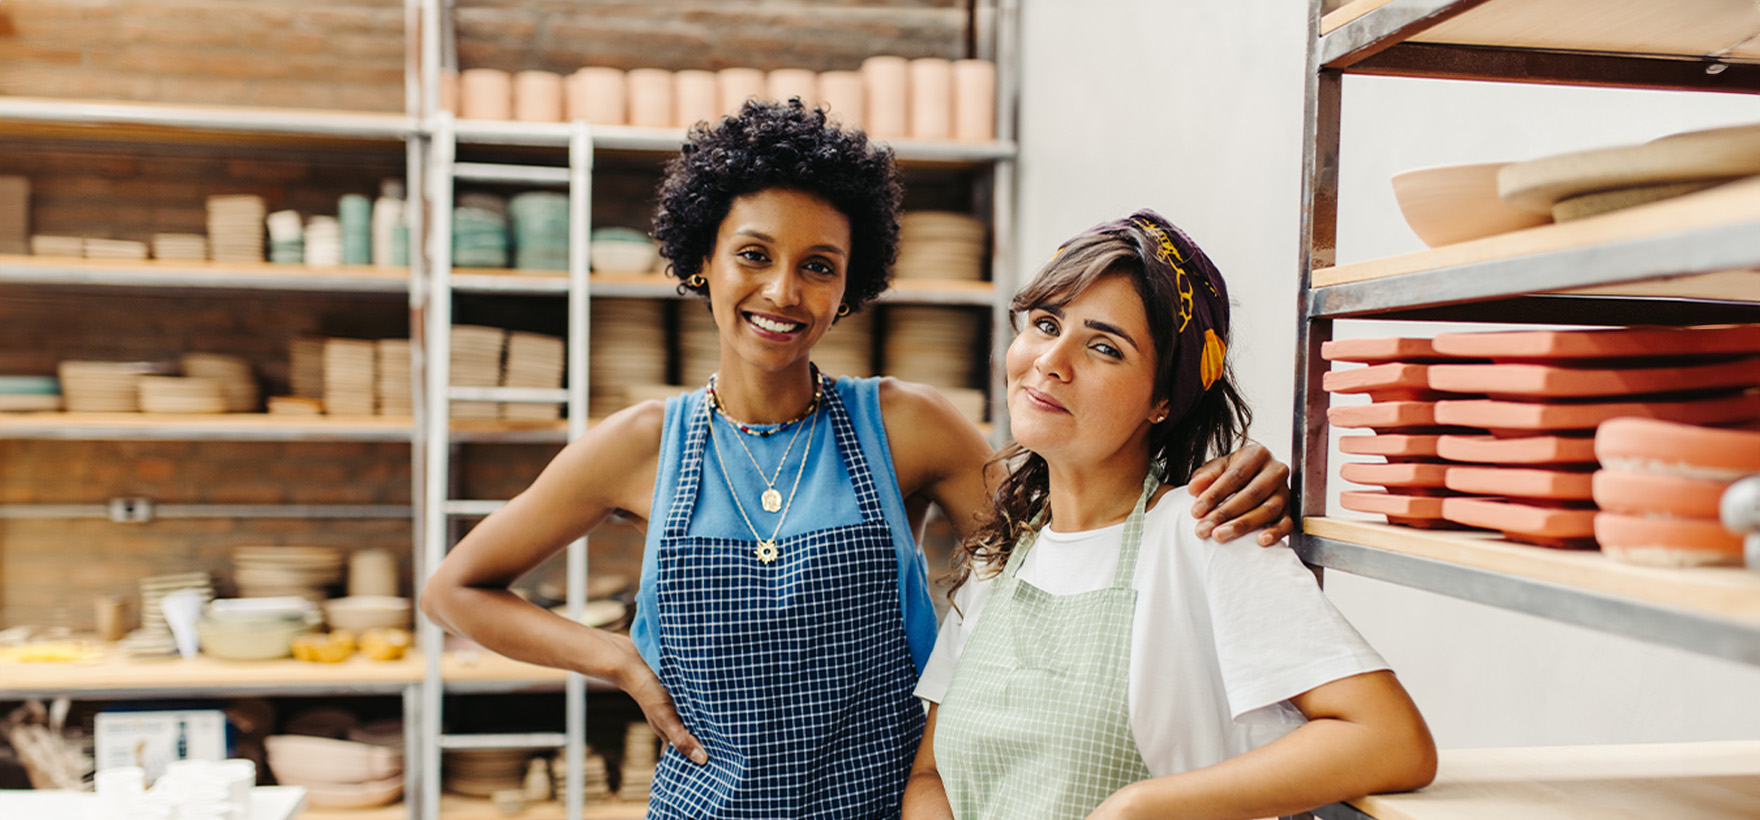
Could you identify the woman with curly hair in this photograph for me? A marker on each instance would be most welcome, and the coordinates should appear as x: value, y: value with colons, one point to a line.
x: 784, y: 612
x: 1105, y: 660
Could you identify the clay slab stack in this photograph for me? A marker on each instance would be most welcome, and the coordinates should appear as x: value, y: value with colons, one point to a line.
x: 1660, y: 487
x: 640, y: 757
x: 349, y: 376
x: 595, y: 778
x: 274, y: 571
x: 306, y: 367
x: 122, y: 250
x: 235, y: 228
x: 536, y: 361
x: 392, y: 377
x: 931, y: 344
x: 940, y: 245
x: 238, y: 385
x: 482, y: 772
x: 180, y: 247
x: 105, y: 387
x: 15, y: 213
x: 476, y: 362
x: 45, y: 245
x: 180, y: 394
x: 847, y: 349
x: 627, y: 349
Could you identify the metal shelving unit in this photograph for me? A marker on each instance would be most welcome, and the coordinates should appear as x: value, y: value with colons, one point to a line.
x: 1693, y: 260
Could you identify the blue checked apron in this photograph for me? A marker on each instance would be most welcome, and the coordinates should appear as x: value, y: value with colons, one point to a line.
x: 1036, y: 721
x: 795, y: 675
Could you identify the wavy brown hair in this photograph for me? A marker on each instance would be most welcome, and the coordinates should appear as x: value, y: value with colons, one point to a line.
x: 1177, y: 446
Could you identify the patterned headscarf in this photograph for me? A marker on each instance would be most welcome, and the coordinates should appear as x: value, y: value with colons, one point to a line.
x: 1201, y: 328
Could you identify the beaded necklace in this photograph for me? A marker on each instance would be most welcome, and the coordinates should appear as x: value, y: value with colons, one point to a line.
x: 769, y: 430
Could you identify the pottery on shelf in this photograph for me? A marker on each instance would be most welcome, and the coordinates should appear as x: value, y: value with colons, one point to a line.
x: 1509, y: 379
x: 1392, y: 446
x: 1545, y: 526
x: 1583, y: 206
x: 1517, y: 450
x: 1602, y: 344
x: 1383, y: 349
x: 1667, y: 542
x: 782, y: 84
x: 931, y: 98
x: 485, y: 94
x: 1520, y: 482
x: 1493, y: 414
x: 537, y: 96
x: 733, y: 86
x: 599, y: 95
x: 694, y: 98
x: 842, y: 93
x: 1389, y: 381
x: 1423, y: 511
x: 1648, y: 445
x: 974, y: 100
x: 1675, y: 496
x: 1456, y: 203
x: 1717, y: 153
x: 1397, y: 474
x: 886, y: 87
x: 649, y: 95
x: 1384, y: 415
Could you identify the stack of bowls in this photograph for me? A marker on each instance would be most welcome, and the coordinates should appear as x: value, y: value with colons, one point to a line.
x: 622, y: 250
x: 336, y: 774
x: 540, y: 230
x: 479, y: 231
x: 482, y: 772
x: 105, y: 387
x: 931, y: 344
x: 534, y: 361
x: 273, y: 571
x: 627, y: 348
x: 940, y: 245
x: 254, y: 629
x: 235, y: 227
x: 355, y: 212
x: 476, y: 362
x: 237, y: 384
x: 363, y: 612
x: 287, y: 238
x: 180, y: 394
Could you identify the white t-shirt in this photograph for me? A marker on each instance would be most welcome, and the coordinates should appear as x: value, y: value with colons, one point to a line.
x: 1222, y: 637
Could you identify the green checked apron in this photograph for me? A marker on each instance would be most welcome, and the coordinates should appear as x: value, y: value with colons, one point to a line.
x: 1036, y: 722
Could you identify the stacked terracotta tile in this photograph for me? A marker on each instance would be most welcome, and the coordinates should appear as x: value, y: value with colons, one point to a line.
x: 1660, y: 487
x: 1496, y: 430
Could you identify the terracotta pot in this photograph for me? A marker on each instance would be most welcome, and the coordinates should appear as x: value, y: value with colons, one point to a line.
x: 886, y: 83
x: 448, y: 89
x: 1648, y: 445
x: 485, y: 94
x: 1384, y: 349
x: 1392, y: 446
x: 537, y: 96
x: 1566, y: 485
x: 695, y: 98
x: 1667, y: 542
x: 1543, y: 380
x: 1545, y: 526
x: 733, y: 86
x: 1552, y: 450
x: 1400, y: 474
x: 931, y: 98
x: 1652, y: 494
x: 1422, y: 511
x: 1511, y: 415
x: 974, y: 100
x: 842, y: 93
x: 599, y: 95
x: 650, y: 97
x: 1530, y: 345
x: 781, y: 84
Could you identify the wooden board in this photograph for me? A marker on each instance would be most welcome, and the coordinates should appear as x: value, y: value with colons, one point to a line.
x: 116, y: 672
x: 219, y: 272
x: 1680, y: 781
x: 1726, y: 593
x: 1724, y: 205
x: 457, y: 807
x: 1682, y: 27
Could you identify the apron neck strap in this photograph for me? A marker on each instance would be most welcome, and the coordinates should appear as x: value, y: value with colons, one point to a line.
x: 1128, y: 549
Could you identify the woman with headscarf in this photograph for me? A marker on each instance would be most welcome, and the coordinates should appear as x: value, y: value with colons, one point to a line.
x: 1103, y: 659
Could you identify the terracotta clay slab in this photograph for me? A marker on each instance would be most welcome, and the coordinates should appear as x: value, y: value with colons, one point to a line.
x: 1649, y: 445
x: 1547, y: 381
x: 1563, y: 485
x: 1384, y: 349
x: 1384, y: 415
x: 1602, y: 344
x: 1652, y: 494
x: 1666, y: 542
x: 1392, y: 381
x: 1420, y: 511
x: 1546, y: 526
x: 1517, y: 450
x: 1392, y: 446
x: 1492, y: 414
x: 1401, y: 474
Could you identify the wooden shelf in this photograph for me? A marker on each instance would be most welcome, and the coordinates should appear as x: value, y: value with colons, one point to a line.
x: 1684, y: 29
x: 116, y: 121
x: 457, y: 807
x: 204, y: 427
x: 667, y: 141
x: 1680, y: 781
x: 656, y: 286
x: 55, y: 270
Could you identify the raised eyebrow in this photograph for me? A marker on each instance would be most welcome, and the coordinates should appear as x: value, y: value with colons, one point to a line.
x: 1115, y: 330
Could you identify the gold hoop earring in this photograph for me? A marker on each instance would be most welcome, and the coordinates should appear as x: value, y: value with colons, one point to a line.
x: 842, y: 309
x: 696, y: 281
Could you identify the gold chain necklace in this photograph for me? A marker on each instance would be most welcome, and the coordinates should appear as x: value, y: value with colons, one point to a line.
x: 771, y: 499
x: 766, y: 551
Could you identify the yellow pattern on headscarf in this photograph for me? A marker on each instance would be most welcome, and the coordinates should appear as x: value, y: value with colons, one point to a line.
x: 1168, y: 252
x: 1210, y: 365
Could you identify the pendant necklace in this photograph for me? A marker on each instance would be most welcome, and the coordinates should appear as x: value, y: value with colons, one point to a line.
x: 772, y: 497
x: 766, y: 551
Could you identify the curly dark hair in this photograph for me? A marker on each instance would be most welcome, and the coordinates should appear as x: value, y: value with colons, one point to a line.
x: 781, y: 145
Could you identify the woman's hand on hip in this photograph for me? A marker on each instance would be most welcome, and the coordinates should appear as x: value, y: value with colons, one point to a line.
x: 1240, y: 492
x: 640, y: 682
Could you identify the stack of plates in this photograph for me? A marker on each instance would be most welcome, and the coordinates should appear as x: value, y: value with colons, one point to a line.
x: 27, y: 393
x: 595, y: 782
x: 479, y: 232
x: 476, y: 362
x: 641, y: 752
x: 533, y: 360
x: 354, y: 212
x: 940, y: 245
x: 540, y: 230
x: 105, y: 387
x: 124, y: 249
x: 287, y: 238
x: 324, y: 242
x: 180, y: 394
x: 235, y: 228
x: 349, y: 376
x: 482, y: 772
x: 15, y: 211
x: 149, y: 643
x: 155, y: 587
x: 699, y: 343
x: 627, y: 347
x: 180, y: 247
x: 270, y: 571
x: 847, y: 349
x: 42, y: 245
x: 233, y: 373
x: 394, y: 377
x: 931, y: 345
x: 295, y: 406
x: 306, y: 367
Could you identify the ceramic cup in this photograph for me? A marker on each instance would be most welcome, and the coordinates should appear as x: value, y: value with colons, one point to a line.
x: 485, y: 94
x: 931, y: 96
x: 842, y: 93
x: 974, y: 100
x: 783, y: 83
x: 537, y: 96
x: 372, y: 572
x: 694, y: 98
x: 886, y: 87
x: 733, y: 86
x: 650, y: 97
x: 598, y: 95
x: 448, y: 97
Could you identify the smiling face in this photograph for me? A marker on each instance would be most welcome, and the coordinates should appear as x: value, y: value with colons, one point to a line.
x: 1081, y: 376
x: 776, y: 276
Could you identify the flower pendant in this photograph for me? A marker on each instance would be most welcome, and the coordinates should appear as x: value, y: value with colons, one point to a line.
x: 766, y: 551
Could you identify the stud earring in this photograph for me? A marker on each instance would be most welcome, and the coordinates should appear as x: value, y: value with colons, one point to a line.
x: 696, y: 281
x: 1160, y: 418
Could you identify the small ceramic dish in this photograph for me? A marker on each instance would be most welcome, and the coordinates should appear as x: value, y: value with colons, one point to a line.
x: 1667, y: 542
x: 299, y: 760
x: 1619, y: 491
x: 1455, y: 203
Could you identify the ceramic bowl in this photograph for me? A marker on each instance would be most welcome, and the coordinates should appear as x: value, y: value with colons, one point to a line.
x: 253, y: 638
x: 354, y: 795
x: 622, y: 251
x: 361, y: 612
x: 298, y: 760
x: 1446, y: 204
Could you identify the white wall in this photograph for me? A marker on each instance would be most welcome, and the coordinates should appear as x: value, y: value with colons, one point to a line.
x: 1194, y: 108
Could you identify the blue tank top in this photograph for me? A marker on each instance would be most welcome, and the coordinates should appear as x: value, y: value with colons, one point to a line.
x: 823, y: 500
